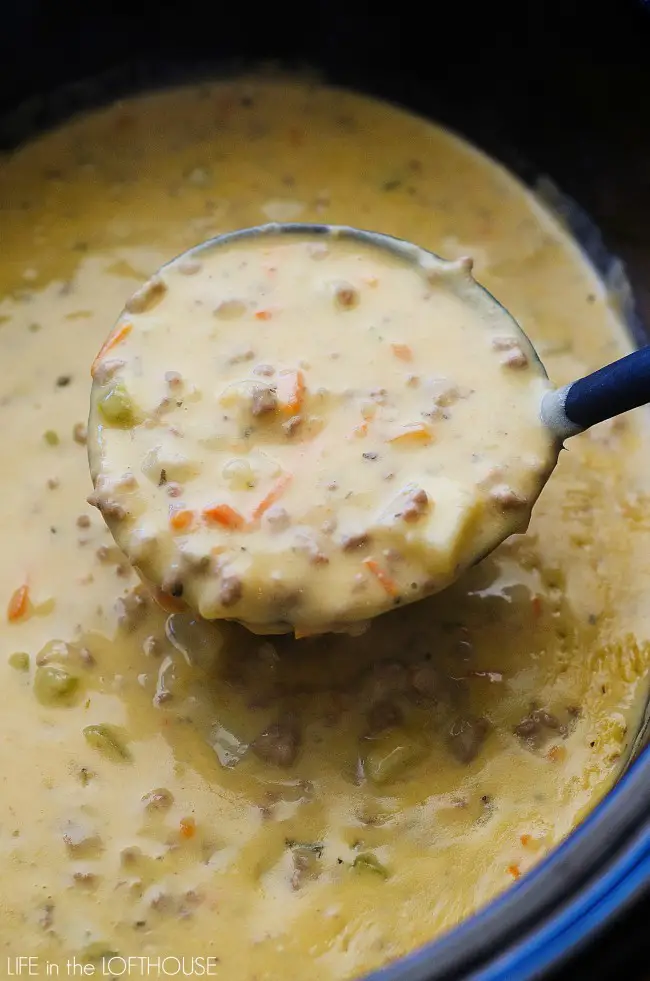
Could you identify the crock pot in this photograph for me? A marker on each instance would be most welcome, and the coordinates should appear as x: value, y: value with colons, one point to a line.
x: 557, y: 91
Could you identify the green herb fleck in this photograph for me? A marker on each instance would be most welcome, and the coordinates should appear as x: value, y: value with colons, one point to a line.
x: 54, y: 685
x: 107, y: 741
x: 366, y: 861
x: 311, y: 846
x: 19, y: 660
x: 117, y: 406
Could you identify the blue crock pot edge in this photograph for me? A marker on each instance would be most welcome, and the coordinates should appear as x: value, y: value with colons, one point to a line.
x: 561, y: 933
x: 573, y: 927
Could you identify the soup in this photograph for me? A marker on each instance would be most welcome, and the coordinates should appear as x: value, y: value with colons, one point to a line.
x: 312, y: 808
x: 344, y: 473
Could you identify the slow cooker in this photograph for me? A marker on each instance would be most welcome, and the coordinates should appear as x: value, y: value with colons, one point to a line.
x: 558, y: 92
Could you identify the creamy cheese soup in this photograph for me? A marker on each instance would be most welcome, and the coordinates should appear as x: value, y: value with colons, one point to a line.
x: 305, y: 809
x: 302, y: 433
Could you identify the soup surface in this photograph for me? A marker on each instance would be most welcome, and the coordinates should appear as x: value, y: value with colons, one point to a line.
x: 342, y: 431
x: 292, y: 809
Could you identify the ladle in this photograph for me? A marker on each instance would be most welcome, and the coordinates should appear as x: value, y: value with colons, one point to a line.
x: 566, y: 411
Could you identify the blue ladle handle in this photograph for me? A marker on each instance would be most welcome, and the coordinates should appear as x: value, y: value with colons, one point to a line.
x: 616, y: 388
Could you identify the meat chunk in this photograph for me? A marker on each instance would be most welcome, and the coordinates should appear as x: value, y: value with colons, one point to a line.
x: 346, y: 297
x: 383, y: 715
x: 106, y: 369
x: 277, y: 518
x: 279, y: 743
x: 306, y: 863
x: 107, y: 506
x: 536, y: 727
x: 80, y: 433
x: 263, y: 400
x: 506, y: 497
x: 426, y: 680
x: 131, y: 608
x: 231, y: 590
x: 514, y: 358
x: 159, y: 799
x: 415, y: 506
x: 307, y: 543
x: 466, y: 736
x: 350, y: 542
x: 292, y: 425
x: 385, y: 680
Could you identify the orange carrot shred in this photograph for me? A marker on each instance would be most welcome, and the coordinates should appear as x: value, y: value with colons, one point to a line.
x: 301, y: 634
x: 536, y: 604
x: 181, y: 519
x: 167, y: 602
x: 187, y: 827
x: 386, y: 581
x: 525, y: 839
x: 18, y: 604
x: 119, y: 333
x: 273, y: 495
x: 263, y: 314
x: 417, y: 433
x: 402, y: 351
x: 291, y: 391
x: 514, y: 871
x: 224, y: 515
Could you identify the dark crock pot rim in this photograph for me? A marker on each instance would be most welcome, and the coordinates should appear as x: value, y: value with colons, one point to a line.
x: 603, y: 866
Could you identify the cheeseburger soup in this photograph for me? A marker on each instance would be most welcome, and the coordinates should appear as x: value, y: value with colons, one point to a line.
x: 314, y: 808
x: 342, y: 430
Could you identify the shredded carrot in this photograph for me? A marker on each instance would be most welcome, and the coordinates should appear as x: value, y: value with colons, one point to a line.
x: 167, y: 602
x: 301, y: 634
x: 119, y: 333
x: 402, y: 351
x: 182, y: 519
x: 417, y: 433
x: 386, y: 581
x: 361, y: 430
x: 273, y: 495
x: 536, y: 604
x: 18, y: 604
x: 224, y: 515
x: 525, y: 839
x: 187, y: 827
x: 291, y: 391
x: 263, y: 314
x: 556, y: 754
x: 514, y: 871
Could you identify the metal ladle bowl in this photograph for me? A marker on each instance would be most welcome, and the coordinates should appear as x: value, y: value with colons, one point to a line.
x: 566, y: 411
